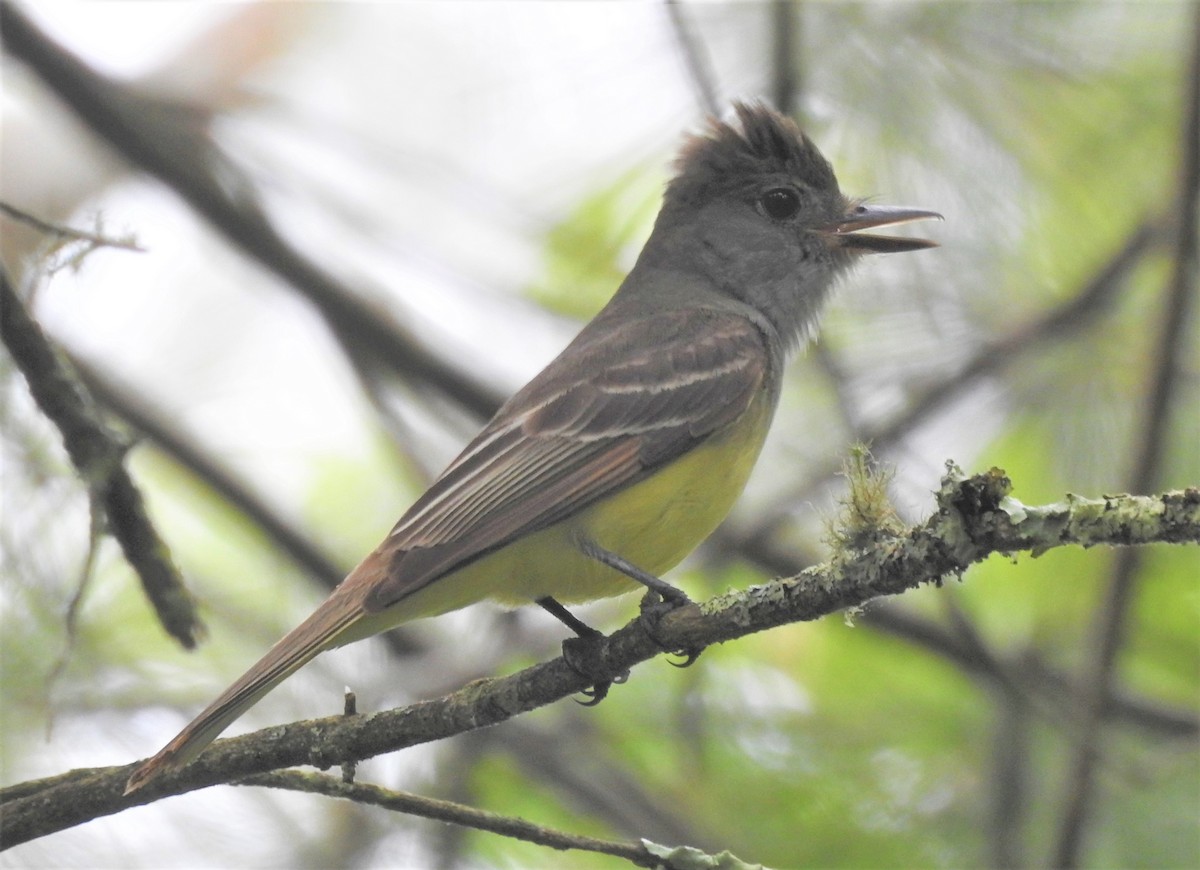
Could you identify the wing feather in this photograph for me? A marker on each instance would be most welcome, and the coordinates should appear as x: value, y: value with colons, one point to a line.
x: 626, y: 402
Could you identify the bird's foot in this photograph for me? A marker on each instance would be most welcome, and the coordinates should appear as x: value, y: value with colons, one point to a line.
x: 655, y: 605
x: 584, y: 655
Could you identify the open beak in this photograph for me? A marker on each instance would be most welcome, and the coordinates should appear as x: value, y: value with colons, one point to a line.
x: 843, y: 233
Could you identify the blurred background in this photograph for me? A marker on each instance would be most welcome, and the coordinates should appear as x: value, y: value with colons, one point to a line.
x: 477, y: 178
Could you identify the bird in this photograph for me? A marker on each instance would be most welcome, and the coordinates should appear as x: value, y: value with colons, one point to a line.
x: 630, y: 447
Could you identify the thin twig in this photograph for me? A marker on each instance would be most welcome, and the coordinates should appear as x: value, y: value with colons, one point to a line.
x: 71, y: 618
x: 448, y: 811
x: 94, y: 239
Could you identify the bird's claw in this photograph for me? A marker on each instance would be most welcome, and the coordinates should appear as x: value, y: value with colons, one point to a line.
x: 689, y: 657
x: 580, y: 654
x: 653, y: 608
x: 599, y: 691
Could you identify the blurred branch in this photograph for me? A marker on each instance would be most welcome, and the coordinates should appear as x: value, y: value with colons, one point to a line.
x: 1009, y: 787
x: 830, y: 366
x: 98, y: 454
x: 1024, y: 675
x: 975, y: 517
x: 694, y: 57
x: 378, y: 386
x: 595, y: 780
x: 1109, y: 630
x: 150, y: 423
x: 785, y: 76
x: 1021, y: 684
x: 171, y: 142
x: 176, y: 444
x: 997, y: 355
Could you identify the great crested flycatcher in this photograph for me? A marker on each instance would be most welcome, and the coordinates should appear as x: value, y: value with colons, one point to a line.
x: 629, y: 448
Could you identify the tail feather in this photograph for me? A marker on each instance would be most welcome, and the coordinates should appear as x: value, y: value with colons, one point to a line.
x: 321, y: 631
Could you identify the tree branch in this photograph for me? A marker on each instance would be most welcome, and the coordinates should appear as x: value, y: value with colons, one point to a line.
x: 151, y: 424
x: 171, y: 141
x: 281, y: 534
x: 98, y: 454
x: 975, y: 518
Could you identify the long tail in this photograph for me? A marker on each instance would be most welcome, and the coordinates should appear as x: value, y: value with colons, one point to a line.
x: 324, y: 629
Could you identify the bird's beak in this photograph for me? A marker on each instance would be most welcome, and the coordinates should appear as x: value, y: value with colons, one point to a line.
x: 843, y: 233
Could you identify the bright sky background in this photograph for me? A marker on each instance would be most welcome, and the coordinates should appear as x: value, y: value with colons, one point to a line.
x: 419, y: 150
x: 425, y: 176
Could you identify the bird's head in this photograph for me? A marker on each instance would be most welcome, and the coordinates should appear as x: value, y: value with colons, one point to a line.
x: 757, y: 209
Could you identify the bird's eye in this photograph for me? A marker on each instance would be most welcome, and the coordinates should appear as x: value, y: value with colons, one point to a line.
x: 780, y: 203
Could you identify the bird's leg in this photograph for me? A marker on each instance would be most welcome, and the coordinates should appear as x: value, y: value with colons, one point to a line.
x: 567, y: 618
x: 661, y: 598
x: 673, y: 595
x: 577, y: 650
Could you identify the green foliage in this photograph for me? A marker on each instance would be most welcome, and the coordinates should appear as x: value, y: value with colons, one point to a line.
x: 588, y: 252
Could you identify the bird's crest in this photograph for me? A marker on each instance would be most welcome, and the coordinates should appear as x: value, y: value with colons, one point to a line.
x: 763, y: 141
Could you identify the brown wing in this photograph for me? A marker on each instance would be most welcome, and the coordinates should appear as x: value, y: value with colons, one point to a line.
x: 606, y: 413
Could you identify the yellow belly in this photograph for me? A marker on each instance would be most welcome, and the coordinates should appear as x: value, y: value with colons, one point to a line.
x: 654, y: 524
